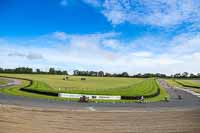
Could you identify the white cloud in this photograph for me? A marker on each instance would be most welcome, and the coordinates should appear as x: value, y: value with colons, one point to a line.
x: 17, y: 54
x: 95, y: 3
x: 34, y: 56
x: 88, y: 52
x: 60, y: 35
x: 111, y: 43
x: 163, y: 13
x: 142, y: 54
x: 186, y: 43
x: 30, y: 56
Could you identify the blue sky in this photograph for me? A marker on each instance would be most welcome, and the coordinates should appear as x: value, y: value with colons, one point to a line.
x: 110, y: 35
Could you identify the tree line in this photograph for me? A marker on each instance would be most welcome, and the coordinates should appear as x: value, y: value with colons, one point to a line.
x: 27, y: 70
x: 139, y: 75
x: 99, y: 74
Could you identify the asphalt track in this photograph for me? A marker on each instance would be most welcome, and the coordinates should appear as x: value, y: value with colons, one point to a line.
x: 187, y: 102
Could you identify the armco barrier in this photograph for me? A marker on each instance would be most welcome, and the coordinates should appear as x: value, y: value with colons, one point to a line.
x: 103, y: 97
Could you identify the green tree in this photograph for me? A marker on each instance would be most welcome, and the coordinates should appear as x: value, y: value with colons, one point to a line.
x: 38, y: 71
x: 52, y: 71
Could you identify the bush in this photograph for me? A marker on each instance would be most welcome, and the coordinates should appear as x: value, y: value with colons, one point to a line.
x: 83, y: 78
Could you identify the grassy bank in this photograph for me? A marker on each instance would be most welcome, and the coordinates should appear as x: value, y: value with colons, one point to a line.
x: 132, y: 87
x: 3, y: 81
x: 187, y: 84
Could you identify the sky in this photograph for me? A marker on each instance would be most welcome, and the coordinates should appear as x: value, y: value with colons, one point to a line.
x: 136, y: 36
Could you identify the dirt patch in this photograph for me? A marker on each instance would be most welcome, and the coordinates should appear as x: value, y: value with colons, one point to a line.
x: 26, y: 120
x: 196, y: 81
x: 11, y: 81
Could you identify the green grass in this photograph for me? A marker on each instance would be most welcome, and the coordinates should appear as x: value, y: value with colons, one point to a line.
x: 146, y: 87
x: 56, y: 82
x: 173, y: 83
x: 196, y: 90
x: 188, y: 83
x: 163, y: 94
x: 92, y: 85
x: 143, y: 88
x: 3, y: 82
x: 95, y: 85
x: 15, y: 90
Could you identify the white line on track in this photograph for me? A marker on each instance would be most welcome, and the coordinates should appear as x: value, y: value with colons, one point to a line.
x: 91, y: 109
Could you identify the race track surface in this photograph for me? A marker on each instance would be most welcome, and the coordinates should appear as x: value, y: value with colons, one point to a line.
x: 11, y: 82
x: 15, y: 119
x: 187, y: 102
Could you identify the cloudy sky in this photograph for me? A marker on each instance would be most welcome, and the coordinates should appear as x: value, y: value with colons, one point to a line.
x: 110, y: 35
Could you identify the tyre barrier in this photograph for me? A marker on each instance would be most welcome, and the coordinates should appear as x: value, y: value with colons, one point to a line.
x: 39, y: 92
x: 139, y: 97
x: 131, y: 97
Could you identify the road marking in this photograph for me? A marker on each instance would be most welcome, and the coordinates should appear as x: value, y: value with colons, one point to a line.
x: 91, y: 108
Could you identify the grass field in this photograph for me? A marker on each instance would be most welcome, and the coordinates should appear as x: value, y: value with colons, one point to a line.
x: 3, y: 82
x: 173, y: 83
x: 184, y: 83
x: 146, y: 87
x: 92, y: 85
x: 189, y: 83
x: 56, y: 82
